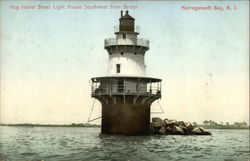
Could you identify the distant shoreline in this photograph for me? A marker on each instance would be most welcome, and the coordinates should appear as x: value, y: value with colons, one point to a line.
x: 95, y: 125
x: 52, y: 125
x: 224, y: 127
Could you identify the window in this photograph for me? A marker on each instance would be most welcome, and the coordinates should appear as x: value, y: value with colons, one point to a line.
x: 118, y: 68
x: 123, y: 36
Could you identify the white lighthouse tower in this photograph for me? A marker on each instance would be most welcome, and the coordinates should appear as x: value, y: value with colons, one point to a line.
x: 125, y: 60
x: 125, y: 92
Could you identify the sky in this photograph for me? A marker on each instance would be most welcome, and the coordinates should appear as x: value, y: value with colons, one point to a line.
x: 48, y: 57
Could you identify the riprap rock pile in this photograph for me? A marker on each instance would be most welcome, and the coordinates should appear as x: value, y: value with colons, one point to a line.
x: 173, y: 127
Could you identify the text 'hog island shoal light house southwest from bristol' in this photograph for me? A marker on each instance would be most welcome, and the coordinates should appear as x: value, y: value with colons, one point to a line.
x: 126, y: 93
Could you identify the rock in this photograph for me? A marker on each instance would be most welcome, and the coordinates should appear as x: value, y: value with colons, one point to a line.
x: 200, y: 131
x: 183, y: 128
x: 181, y: 123
x: 159, y: 124
x: 173, y: 127
x: 174, y: 130
x: 170, y: 122
x: 162, y: 130
x: 168, y: 130
x: 165, y: 120
x: 189, y: 126
x: 196, y: 130
x: 204, y: 132
x: 156, y: 119
x: 178, y: 130
x: 156, y: 126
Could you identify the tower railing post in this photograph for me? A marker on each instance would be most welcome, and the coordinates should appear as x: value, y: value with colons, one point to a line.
x: 110, y: 86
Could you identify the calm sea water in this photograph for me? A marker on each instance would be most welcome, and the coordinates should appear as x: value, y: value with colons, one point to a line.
x: 69, y: 143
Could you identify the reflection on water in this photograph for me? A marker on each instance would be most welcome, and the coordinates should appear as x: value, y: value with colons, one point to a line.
x: 70, y: 143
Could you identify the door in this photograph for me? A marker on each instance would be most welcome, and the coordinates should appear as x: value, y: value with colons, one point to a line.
x: 120, y: 86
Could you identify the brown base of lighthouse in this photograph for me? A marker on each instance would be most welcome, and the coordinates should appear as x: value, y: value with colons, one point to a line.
x: 126, y: 117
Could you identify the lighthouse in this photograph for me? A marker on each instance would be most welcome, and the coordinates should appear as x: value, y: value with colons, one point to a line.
x: 125, y: 92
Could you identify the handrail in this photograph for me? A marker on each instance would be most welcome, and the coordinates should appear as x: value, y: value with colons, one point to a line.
x: 125, y: 90
x: 114, y: 41
x: 124, y: 87
x: 109, y: 88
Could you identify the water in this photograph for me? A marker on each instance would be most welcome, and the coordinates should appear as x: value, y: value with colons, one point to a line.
x: 69, y: 143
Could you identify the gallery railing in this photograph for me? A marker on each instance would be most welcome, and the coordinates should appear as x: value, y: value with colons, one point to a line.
x: 124, y: 90
x: 114, y: 41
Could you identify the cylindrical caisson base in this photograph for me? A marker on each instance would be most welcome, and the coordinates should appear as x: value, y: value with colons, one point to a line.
x: 126, y: 103
x: 125, y: 119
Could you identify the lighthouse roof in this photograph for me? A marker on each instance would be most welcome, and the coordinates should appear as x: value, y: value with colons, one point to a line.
x: 127, y: 16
